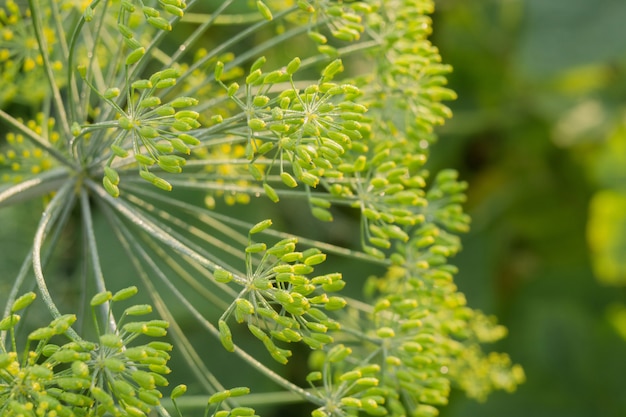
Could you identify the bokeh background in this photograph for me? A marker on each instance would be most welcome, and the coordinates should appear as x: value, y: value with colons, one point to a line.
x: 539, y: 132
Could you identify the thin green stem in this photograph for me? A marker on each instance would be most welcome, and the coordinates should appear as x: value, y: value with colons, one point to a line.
x: 203, y: 375
x: 38, y: 186
x: 150, y: 227
x: 189, y: 402
x: 62, y: 200
x: 43, y: 49
x: 92, y: 249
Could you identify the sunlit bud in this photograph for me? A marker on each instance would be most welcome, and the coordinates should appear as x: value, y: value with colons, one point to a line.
x: 9, y: 322
x: 23, y: 301
x: 132, y: 43
x: 276, y: 76
x: 141, y: 84
x: 219, y: 69
x: 232, y: 89
x: 219, y: 396
x: 264, y: 10
x: 335, y: 303
x: 338, y: 353
x: 256, y: 248
x: 293, y: 66
x: 221, y: 275
x: 254, y: 76
x: 259, y: 227
x: 42, y: 333
x: 125, y: 123
x: 138, y: 310
x: 350, y: 376
x: 183, y: 102
x: 114, y: 365
x: 165, y: 110
x: 225, y: 336
x: 256, y: 124
x: 75, y: 399
x: 135, y: 55
x: 270, y: 192
x: 318, y: 38
x: 327, y: 50
x: 111, y: 340
x: 315, y: 259
x: 159, y: 23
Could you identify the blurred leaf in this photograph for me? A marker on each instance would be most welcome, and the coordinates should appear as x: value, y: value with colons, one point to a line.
x: 617, y: 317
x: 606, y: 234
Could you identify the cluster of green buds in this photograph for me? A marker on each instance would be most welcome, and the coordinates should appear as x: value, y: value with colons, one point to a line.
x: 344, y: 388
x: 21, y: 158
x: 156, y: 134
x: 302, y: 132
x: 217, y: 400
x: 280, y: 300
x: 129, y: 12
x: 344, y: 21
x: 410, y: 60
x: 82, y: 377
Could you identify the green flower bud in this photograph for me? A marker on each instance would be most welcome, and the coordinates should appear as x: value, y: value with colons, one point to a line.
x: 76, y: 399
x: 23, y: 301
x: 141, y: 84
x: 183, y: 102
x: 338, y: 353
x: 219, y: 69
x: 288, y: 179
x: 150, y: 102
x: 42, y: 333
x: 271, y: 193
x: 254, y: 76
x: 178, y: 391
x: 219, y: 396
x: 317, y: 37
x: 275, y: 77
x: 258, y: 63
x: 173, y: 10
x: 159, y: 23
x: 264, y: 10
x: 138, y: 310
x: 135, y: 55
x: 322, y: 214
x: 256, y: 124
x: 335, y: 303
x: 226, y: 336
x: 256, y: 248
x: 100, y: 298
x: 114, y: 364
x: 242, y: 412
x: 145, y: 380
x: 260, y: 226
x: 293, y: 66
x: 232, y: 89
x: 9, y: 322
x: 101, y: 396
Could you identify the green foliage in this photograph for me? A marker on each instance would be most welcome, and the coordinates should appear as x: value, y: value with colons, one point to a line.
x: 137, y: 121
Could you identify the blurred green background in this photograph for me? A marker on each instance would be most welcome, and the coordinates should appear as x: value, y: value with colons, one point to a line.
x: 539, y: 132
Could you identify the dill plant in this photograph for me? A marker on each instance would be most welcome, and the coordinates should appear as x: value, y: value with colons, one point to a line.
x: 118, y: 112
